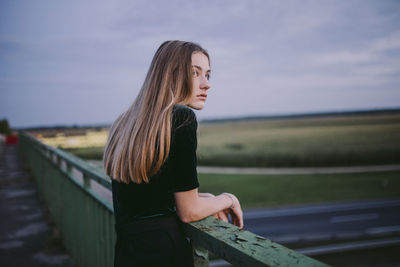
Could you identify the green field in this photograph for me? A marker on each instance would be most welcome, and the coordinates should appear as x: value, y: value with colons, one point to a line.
x: 275, y: 190
x: 86, y: 152
x: 294, y: 142
x: 329, y: 141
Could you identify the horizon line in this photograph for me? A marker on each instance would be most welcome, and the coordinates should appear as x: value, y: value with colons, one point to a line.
x: 227, y: 118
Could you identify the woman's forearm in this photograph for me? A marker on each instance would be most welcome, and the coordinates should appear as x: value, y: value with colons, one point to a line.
x: 207, y: 206
x: 195, y: 208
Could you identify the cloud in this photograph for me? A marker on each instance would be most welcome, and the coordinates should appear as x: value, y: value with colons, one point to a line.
x: 387, y: 44
x: 374, y: 64
x: 346, y: 57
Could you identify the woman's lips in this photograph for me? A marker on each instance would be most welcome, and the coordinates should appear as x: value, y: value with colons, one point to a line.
x: 203, y: 97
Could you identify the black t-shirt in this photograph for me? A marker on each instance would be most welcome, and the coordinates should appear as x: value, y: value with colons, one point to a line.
x: 135, y: 201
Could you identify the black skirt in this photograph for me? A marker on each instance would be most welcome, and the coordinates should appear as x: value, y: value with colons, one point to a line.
x: 156, y: 241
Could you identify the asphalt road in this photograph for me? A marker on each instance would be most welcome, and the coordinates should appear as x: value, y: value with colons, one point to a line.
x: 324, y: 222
x: 352, y: 227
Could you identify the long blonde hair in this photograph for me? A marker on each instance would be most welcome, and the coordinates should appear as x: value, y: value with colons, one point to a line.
x: 139, y: 140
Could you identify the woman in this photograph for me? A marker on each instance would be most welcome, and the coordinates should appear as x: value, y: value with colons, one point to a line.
x: 151, y: 157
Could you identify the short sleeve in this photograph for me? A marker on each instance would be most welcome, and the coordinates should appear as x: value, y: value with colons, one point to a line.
x: 183, y: 150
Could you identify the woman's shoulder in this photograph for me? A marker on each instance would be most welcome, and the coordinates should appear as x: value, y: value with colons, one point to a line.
x: 182, y: 112
x: 183, y: 116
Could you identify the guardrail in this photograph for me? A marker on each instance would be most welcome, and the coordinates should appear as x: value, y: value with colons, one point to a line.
x: 86, y: 221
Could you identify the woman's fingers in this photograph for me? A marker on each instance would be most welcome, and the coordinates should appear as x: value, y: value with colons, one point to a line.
x: 223, y: 216
x: 235, y: 213
x: 237, y: 216
x: 236, y: 220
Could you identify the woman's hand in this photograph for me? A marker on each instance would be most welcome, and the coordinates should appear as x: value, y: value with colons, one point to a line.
x: 192, y: 206
x: 235, y: 211
x: 222, y: 215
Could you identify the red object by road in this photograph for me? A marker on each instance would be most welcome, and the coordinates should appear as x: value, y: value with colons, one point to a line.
x: 11, y: 139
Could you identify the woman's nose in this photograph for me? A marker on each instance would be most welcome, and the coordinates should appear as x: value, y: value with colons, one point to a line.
x: 205, y: 84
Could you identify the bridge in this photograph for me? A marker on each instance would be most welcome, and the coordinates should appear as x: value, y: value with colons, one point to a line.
x: 74, y: 192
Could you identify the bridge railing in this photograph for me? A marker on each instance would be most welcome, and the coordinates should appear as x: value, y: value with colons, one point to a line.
x: 84, y: 214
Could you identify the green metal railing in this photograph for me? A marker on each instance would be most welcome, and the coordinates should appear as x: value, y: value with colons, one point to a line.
x: 70, y: 187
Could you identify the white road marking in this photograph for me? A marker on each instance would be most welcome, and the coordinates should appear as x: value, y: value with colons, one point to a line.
x: 354, y: 217
x: 383, y: 229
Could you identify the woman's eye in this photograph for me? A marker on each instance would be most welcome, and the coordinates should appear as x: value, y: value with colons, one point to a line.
x: 208, y: 77
x: 195, y: 73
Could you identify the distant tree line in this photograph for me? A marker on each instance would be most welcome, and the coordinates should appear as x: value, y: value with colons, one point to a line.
x: 5, y: 127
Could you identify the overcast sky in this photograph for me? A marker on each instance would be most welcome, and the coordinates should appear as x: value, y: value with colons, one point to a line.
x: 83, y: 62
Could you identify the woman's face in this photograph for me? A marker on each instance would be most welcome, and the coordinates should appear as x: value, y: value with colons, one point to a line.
x: 201, y: 74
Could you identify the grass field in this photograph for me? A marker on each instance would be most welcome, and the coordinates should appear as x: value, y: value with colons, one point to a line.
x: 275, y: 190
x: 289, y: 142
x: 332, y: 141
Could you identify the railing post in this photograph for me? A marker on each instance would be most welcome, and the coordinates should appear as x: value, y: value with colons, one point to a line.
x: 58, y: 161
x: 68, y: 168
x: 86, y: 180
x: 200, y: 256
